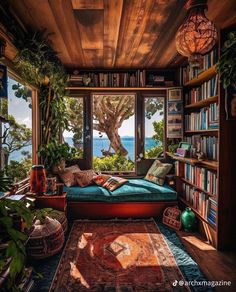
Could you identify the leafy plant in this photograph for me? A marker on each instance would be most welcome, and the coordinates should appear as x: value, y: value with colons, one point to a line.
x: 226, y: 65
x: 5, y: 182
x: 12, y: 241
x: 53, y: 153
x: 115, y: 162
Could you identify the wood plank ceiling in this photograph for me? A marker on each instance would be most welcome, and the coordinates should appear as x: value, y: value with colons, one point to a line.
x: 114, y: 33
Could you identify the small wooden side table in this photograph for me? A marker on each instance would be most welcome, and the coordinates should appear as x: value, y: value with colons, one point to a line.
x: 52, y: 201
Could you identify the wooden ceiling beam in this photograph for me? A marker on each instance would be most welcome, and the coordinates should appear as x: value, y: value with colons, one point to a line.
x: 112, y: 21
x: 65, y: 20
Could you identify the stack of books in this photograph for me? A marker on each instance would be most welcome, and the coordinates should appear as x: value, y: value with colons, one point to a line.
x: 203, y: 178
x: 206, y: 90
x: 206, y: 144
x: 205, y: 119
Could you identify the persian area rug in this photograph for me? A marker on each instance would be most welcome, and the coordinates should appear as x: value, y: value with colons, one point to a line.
x: 116, y: 256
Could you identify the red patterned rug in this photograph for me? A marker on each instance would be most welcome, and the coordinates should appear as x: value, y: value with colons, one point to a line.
x: 116, y: 256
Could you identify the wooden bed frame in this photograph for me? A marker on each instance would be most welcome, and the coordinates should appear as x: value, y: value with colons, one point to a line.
x: 99, y: 210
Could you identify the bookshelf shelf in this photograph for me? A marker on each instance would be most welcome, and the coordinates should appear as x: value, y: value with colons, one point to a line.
x: 202, y: 77
x: 202, y: 103
x: 196, y: 212
x: 193, y: 161
x: 82, y: 88
x: 205, y: 132
x: 196, y: 187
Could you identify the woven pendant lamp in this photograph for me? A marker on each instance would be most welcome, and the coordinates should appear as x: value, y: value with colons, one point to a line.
x: 197, y: 35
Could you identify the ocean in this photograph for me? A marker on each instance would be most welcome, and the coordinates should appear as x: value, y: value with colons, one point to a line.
x: 98, y: 145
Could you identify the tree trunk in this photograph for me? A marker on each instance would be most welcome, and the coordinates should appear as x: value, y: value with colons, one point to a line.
x: 115, y: 141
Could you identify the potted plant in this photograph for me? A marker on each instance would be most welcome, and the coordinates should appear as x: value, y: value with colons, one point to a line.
x: 55, y: 155
x: 226, y: 66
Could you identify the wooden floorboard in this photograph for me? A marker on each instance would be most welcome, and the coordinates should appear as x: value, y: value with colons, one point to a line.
x: 215, y: 265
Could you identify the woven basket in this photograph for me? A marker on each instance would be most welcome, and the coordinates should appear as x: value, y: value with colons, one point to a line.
x: 172, y: 217
x: 46, y: 239
x: 61, y: 217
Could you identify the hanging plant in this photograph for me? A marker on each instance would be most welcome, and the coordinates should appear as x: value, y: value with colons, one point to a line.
x: 40, y: 66
x: 226, y: 67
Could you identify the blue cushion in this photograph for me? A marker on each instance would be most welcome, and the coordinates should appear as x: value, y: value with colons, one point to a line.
x: 135, y: 190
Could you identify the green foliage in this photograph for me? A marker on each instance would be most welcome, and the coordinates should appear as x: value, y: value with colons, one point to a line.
x: 172, y: 148
x: 5, y: 182
x: 115, y: 162
x: 154, y: 152
x: 74, y: 108
x: 159, y: 131
x: 53, y: 153
x: 40, y: 66
x: 19, y: 170
x: 13, y: 239
x: 15, y: 137
x: 23, y: 92
x: 226, y: 65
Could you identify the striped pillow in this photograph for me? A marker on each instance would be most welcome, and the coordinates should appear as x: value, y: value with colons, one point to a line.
x: 114, y: 182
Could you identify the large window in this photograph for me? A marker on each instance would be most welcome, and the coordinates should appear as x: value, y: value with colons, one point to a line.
x: 154, y: 126
x: 114, y: 132
x: 16, y: 131
x: 75, y: 113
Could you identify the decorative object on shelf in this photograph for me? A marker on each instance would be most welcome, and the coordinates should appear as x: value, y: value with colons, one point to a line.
x: 183, y: 150
x: 188, y: 220
x: 199, y: 155
x: 46, y: 239
x: 226, y: 66
x: 51, y: 185
x: 172, y: 217
x: 197, y: 35
x: 174, y: 113
x: 38, y: 180
x: 60, y: 189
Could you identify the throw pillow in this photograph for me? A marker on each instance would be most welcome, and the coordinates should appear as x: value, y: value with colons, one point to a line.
x: 158, y: 172
x: 101, y: 179
x: 85, y: 177
x: 114, y: 182
x: 67, y: 176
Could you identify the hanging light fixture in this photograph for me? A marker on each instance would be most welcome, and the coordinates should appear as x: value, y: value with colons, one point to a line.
x: 197, y: 35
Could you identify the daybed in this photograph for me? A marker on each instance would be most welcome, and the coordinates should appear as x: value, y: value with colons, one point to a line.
x: 136, y: 198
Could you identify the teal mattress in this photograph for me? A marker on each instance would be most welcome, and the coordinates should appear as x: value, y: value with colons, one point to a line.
x: 135, y: 190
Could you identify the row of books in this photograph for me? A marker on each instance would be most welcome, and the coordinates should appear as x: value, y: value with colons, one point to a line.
x: 205, y: 119
x: 212, y: 211
x: 108, y: 79
x: 206, y: 144
x: 207, y: 61
x: 206, y: 206
x: 206, y: 90
x: 203, y: 178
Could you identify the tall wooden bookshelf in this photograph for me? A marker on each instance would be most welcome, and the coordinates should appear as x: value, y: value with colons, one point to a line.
x: 213, y: 206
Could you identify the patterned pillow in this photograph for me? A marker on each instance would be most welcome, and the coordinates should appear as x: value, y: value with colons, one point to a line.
x: 101, y: 179
x: 67, y: 176
x: 158, y: 172
x: 85, y: 177
x: 114, y: 182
